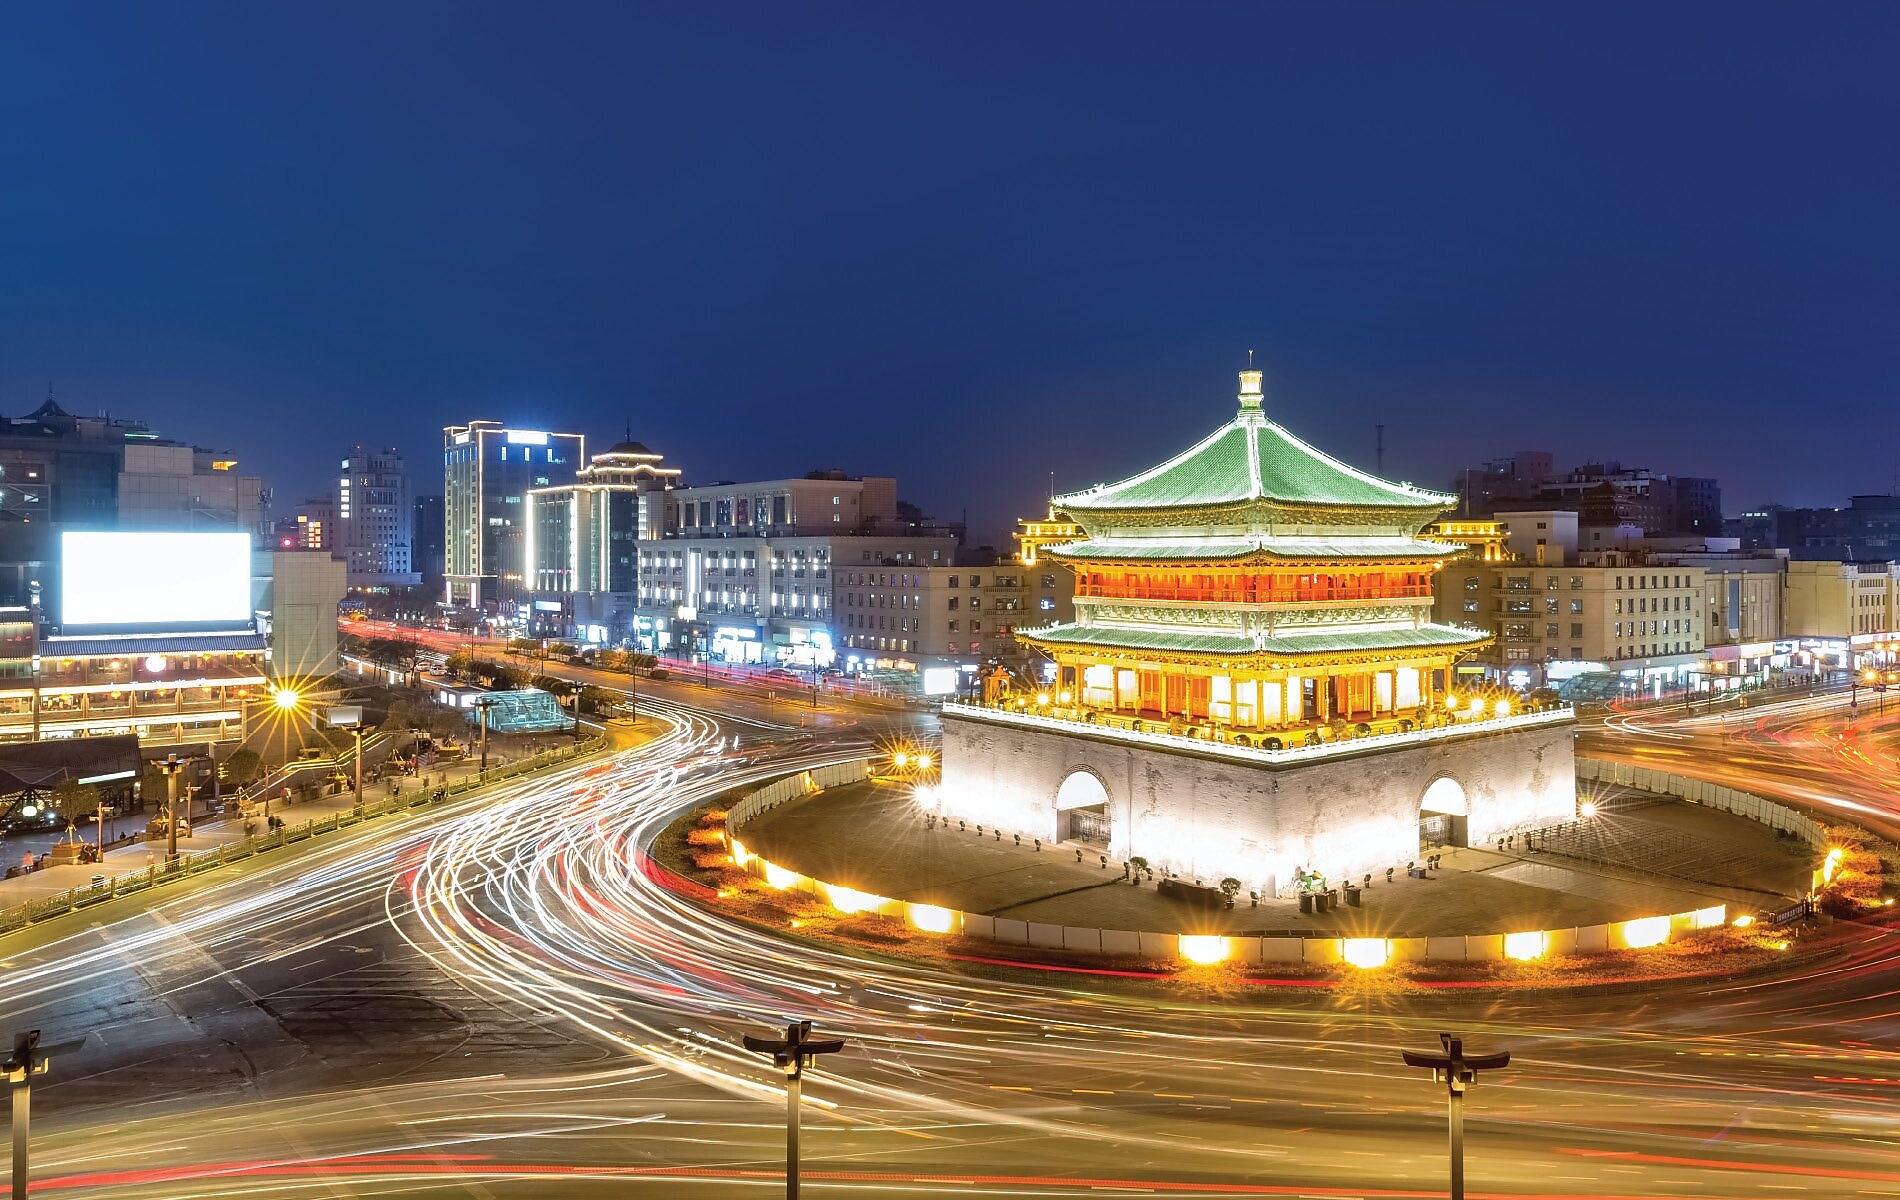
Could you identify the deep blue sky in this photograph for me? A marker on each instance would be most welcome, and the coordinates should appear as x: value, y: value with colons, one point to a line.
x: 971, y: 248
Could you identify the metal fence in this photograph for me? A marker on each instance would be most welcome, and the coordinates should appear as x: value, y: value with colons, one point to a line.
x: 61, y: 903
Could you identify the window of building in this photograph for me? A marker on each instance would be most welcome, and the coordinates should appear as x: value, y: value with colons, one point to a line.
x: 953, y: 604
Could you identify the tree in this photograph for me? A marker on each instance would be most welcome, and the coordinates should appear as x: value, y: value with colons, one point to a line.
x: 243, y: 766
x: 446, y: 722
x: 396, y: 717
x: 75, y: 800
x: 599, y: 699
x: 460, y: 662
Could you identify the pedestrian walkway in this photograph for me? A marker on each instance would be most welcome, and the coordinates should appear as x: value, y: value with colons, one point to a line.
x: 209, y: 831
x: 875, y: 838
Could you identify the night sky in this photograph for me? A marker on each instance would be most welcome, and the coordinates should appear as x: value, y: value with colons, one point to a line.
x: 968, y: 248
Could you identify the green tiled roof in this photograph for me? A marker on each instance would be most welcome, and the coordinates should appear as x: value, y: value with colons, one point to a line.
x: 1251, y: 458
x: 1204, y: 550
x: 1332, y: 642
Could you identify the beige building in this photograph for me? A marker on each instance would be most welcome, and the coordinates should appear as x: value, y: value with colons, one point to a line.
x: 912, y: 617
x: 1640, y: 618
x: 305, y: 589
x: 1842, y: 614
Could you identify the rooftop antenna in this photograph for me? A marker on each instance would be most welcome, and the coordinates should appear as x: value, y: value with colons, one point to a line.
x: 1378, y: 452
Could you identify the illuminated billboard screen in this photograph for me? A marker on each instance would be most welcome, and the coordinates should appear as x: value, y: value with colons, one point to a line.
x: 171, y: 580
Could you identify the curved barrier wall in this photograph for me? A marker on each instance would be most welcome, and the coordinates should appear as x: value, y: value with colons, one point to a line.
x: 1701, y: 791
x: 1193, y: 948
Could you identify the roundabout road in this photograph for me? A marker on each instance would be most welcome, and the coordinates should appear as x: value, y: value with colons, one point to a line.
x: 500, y: 1003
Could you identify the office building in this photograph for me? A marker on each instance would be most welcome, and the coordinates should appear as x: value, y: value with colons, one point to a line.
x: 373, y: 520
x: 767, y: 599
x: 312, y: 525
x: 59, y: 471
x: 824, y: 502
x: 487, y: 471
x: 583, y: 538
x: 1867, y: 530
x: 425, y: 532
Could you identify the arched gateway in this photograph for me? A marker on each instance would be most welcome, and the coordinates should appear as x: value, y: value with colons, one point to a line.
x: 1082, y: 809
x: 1443, y: 813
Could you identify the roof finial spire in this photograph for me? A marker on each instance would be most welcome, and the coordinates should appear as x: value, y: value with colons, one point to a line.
x: 1251, y: 394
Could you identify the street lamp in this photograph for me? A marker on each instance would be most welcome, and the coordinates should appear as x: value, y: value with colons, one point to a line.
x: 482, y: 705
x: 1454, y: 1069
x: 792, y: 1055
x: 27, y: 1060
x: 171, y: 765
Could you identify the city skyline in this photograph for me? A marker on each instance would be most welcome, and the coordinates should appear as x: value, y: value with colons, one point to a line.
x: 1433, y: 229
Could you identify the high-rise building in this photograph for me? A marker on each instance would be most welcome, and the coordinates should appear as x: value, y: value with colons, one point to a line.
x: 59, y: 471
x: 581, y: 542
x: 373, y: 516
x: 487, y: 472
x: 425, y: 533
x: 312, y: 525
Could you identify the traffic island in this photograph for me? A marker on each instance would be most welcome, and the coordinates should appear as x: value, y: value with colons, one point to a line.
x: 921, y: 890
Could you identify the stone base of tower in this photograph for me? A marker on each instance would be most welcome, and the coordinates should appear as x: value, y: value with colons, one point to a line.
x: 1210, y: 812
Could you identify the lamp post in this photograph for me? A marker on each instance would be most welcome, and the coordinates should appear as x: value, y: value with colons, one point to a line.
x: 482, y: 706
x: 171, y: 765
x: 1455, y: 1069
x: 792, y: 1055
x: 356, y: 731
x: 26, y: 1061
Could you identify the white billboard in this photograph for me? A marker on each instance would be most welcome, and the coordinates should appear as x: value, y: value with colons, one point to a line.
x: 177, y: 580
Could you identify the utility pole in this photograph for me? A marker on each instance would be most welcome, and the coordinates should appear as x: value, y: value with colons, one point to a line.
x: 171, y: 765
x: 26, y: 1061
x: 1454, y: 1069
x: 792, y: 1055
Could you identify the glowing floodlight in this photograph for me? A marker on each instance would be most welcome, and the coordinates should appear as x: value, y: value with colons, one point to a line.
x: 1203, y: 948
x: 931, y: 919
x: 850, y: 900
x: 1525, y: 946
x: 284, y: 698
x: 1645, y: 931
x: 1368, y: 954
x: 778, y: 876
x: 1831, y: 865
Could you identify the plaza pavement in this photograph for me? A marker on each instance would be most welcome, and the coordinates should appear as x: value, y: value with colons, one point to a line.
x: 874, y: 838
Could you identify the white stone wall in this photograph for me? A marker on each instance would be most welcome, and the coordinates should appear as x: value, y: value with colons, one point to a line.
x: 1207, y: 818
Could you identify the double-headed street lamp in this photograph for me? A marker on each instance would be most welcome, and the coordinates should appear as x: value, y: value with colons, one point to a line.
x: 793, y: 1054
x: 1454, y: 1068
x: 171, y: 765
x: 28, y: 1059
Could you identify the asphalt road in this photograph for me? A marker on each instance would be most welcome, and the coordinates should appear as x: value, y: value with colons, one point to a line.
x: 495, y: 1001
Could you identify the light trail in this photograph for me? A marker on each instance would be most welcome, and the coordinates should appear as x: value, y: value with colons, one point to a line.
x: 534, y: 894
